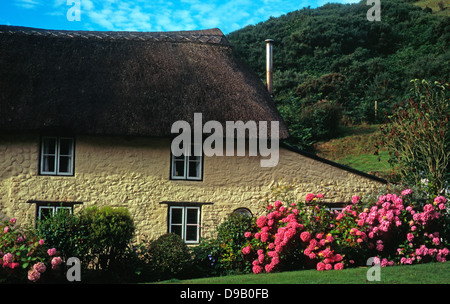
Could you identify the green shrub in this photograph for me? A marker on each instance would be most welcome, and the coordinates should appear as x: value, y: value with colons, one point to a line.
x: 66, y: 232
x: 323, y: 118
x: 222, y: 255
x: 110, y: 233
x: 168, y: 257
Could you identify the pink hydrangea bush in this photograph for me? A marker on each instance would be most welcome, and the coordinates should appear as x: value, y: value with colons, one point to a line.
x: 393, y: 230
x: 22, y: 254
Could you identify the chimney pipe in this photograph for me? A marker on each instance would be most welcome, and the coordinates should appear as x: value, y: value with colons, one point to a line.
x: 269, y: 65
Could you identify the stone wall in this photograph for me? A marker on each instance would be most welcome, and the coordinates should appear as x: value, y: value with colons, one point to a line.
x: 135, y: 173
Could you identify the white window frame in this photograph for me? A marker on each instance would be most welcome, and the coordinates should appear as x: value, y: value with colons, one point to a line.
x: 186, y: 162
x: 184, y: 223
x: 57, y: 154
x: 54, y: 209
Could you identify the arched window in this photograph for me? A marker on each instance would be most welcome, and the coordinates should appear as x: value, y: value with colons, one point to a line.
x: 243, y: 212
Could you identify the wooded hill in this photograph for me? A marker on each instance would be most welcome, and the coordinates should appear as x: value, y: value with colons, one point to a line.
x: 332, y: 65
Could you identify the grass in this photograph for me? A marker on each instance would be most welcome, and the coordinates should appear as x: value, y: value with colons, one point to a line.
x: 356, y: 147
x: 430, y: 273
x: 433, y: 4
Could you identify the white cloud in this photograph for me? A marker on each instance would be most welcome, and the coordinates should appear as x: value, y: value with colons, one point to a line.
x: 27, y: 3
x: 160, y: 15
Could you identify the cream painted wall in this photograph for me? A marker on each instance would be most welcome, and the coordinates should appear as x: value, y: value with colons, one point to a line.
x: 135, y: 173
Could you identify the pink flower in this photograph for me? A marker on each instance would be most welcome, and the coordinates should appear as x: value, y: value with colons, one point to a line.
x: 7, y: 258
x: 410, y: 237
x: 33, y: 275
x: 320, y: 266
x: 268, y: 267
x: 328, y: 266
x: 406, y: 192
x: 14, y: 265
x: 261, y: 221
x: 441, y: 206
x: 338, y: 258
x: 40, y: 267
x: 355, y: 199
x: 56, y: 261
x: 41, y: 242
x: 12, y: 221
x: 319, y: 195
x: 256, y: 269
x: 278, y: 204
x: 440, y: 199
x: 310, y: 197
x: 51, y: 252
x: 248, y: 234
x: 305, y: 236
x: 261, y: 258
x: 338, y: 266
x: 6, y: 229
x: 264, y: 237
x: 245, y: 250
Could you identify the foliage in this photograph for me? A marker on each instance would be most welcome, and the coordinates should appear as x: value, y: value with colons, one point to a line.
x: 334, y: 53
x: 99, y: 237
x: 222, y: 255
x: 67, y: 232
x: 167, y: 257
x: 23, y: 255
x: 393, y: 229
x: 418, y: 135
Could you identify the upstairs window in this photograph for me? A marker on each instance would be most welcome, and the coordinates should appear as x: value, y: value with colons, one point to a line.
x: 57, y: 156
x: 186, y: 167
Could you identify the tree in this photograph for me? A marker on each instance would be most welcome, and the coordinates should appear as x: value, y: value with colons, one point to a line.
x: 417, y: 136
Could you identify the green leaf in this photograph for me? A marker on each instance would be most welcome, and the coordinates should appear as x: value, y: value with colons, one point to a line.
x: 25, y: 265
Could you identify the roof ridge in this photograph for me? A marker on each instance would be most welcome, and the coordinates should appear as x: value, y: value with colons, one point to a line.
x: 213, y: 36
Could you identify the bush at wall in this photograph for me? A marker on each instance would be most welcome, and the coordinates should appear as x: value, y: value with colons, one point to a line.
x: 167, y: 257
x: 394, y: 230
x: 68, y: 233
x: 110, y: 233
x: 221, y: 255
x: 25, y: 257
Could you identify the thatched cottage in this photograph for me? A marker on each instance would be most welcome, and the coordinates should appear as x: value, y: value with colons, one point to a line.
x: 85, y: 118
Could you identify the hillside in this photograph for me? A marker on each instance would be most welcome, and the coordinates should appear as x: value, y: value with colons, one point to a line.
x: 356, y: 147
x: 439, y: 7
x: 333, y: 67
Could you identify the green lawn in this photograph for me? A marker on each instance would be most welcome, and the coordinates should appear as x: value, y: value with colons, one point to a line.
x: 430, y: 273
x: 355, y: 147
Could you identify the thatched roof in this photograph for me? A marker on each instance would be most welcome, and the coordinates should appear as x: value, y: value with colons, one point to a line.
x: 124, y: 83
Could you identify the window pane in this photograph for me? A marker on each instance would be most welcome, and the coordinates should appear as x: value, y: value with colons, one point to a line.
x: 48, y: 164
x: 45, y: 212
x: 178, y: 168
x: 49, y: 146
x: 177, y: 229
x: 192, y: 216
x: 177, y: 216
x: 194, y: 169
x: 67, y: 210
x: 66, y: 146
x: 191, y: 233
x: 65, y: 164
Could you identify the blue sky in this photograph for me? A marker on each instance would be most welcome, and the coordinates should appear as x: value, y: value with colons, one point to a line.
x: 148, y: 15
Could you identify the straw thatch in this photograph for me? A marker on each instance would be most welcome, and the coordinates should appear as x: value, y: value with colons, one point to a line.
x: 124, y: 83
